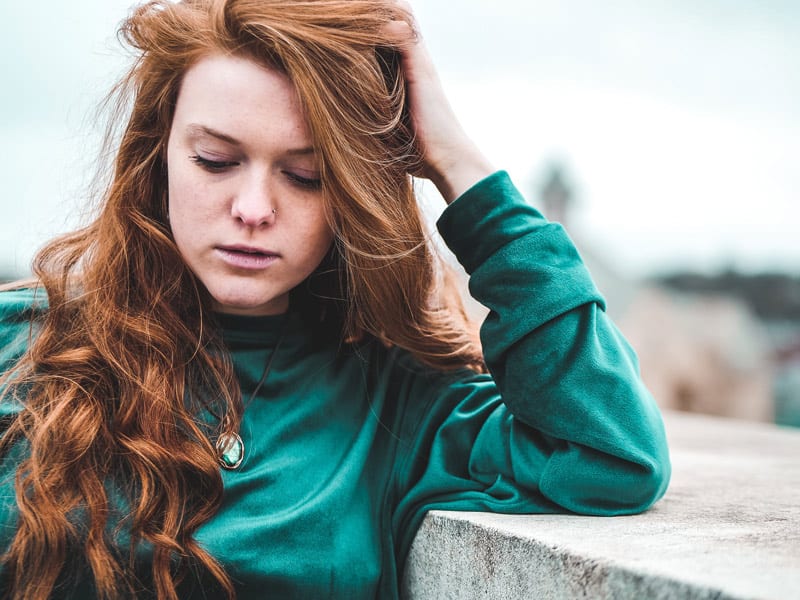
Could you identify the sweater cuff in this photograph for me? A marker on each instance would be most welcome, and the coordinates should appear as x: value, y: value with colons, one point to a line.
x: 486, y: 217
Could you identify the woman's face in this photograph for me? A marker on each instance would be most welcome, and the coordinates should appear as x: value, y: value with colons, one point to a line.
x: 245, y: 204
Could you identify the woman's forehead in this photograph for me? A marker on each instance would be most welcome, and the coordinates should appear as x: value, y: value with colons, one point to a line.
x: 239, y: 101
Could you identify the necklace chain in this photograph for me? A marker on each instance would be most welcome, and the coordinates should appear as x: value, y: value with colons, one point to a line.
x: 229, y: 446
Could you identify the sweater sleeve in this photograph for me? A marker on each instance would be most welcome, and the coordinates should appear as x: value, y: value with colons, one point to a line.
x: 564, y: 423
x: 18, y: 309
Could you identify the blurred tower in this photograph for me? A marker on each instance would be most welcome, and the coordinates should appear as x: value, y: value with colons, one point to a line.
x: 556, y: 195
x: 557, y: 200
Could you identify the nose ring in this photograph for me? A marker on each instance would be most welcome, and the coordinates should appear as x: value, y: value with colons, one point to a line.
x: 274, y: 211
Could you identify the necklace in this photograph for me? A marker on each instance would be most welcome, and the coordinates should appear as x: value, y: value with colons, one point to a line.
x: 230, y: 447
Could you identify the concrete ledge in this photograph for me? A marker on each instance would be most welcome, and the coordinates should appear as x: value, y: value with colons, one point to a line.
x: 728, y: 528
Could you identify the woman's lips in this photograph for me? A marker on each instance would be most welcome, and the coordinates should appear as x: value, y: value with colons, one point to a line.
x: 247, y: 257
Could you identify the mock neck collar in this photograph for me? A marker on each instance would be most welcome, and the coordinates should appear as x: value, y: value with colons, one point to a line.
x: 258, y: 330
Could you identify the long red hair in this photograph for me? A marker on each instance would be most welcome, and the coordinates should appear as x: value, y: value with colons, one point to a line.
x: 126, y: 357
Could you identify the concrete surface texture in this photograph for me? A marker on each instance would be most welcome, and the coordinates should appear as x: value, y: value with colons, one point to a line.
x: 728, y: 528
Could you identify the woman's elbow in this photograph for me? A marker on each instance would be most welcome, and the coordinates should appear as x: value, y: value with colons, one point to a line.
x: 641, y: 486
x: 611, y: 486
x: 648, y: 485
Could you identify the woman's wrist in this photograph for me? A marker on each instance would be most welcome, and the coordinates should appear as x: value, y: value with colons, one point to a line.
x: 462, y: 172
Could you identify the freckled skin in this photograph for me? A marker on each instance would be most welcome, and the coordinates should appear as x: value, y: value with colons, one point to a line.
x: 245, y: 203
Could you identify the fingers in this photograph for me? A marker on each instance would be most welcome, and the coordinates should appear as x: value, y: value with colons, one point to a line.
x: 405, y: 38
x: 401, y: 34
x: 402, y: 31
x: 406, y: 8
x: 449, y: 158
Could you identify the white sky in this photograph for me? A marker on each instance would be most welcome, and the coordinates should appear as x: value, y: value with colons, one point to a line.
x: 678, y: 120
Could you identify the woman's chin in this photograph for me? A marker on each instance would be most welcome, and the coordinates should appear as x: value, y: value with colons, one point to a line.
x: 255, y: 307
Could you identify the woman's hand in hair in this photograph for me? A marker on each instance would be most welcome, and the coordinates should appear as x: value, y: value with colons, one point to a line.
x: 450, y: 158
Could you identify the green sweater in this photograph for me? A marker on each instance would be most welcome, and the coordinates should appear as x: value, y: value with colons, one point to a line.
x: 347, y: 447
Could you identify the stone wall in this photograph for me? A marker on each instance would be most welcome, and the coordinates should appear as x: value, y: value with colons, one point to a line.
x: 728, y: 528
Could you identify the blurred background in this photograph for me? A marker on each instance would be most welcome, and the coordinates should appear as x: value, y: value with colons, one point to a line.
x: 663, y: 134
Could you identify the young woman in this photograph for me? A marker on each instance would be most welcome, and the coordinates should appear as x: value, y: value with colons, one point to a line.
x: 249, y: 376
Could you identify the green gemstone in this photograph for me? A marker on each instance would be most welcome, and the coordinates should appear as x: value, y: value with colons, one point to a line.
x: 231, y: 450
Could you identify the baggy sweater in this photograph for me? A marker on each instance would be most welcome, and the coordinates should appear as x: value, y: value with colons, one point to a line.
x: 348, y: 446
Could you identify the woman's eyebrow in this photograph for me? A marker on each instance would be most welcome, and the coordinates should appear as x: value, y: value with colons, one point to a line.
x: 196, y: 130
x: 301, y: 151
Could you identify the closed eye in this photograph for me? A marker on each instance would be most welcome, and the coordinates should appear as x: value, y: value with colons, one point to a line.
x: 308, y: 183
x: 213, y: 166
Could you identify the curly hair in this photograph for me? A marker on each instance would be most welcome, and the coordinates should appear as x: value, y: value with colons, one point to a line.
x: 126, y: 358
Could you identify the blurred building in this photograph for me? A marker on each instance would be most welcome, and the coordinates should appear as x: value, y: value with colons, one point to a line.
x: 705, y: 354
x: 774, y: 300
x: 787, y: 384
x: 704, y: 345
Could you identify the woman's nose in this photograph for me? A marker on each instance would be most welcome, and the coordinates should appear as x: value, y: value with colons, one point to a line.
x: 254, y: 204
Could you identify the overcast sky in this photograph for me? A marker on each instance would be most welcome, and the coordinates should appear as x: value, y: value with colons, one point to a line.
x: 678, y: 121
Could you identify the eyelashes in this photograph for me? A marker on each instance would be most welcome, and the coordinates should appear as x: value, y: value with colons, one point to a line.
x: 213, y: 166
x: 220, y: 166
x: 304, y: 182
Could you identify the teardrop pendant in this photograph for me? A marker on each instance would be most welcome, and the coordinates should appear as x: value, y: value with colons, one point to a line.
x: 230, y: 450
